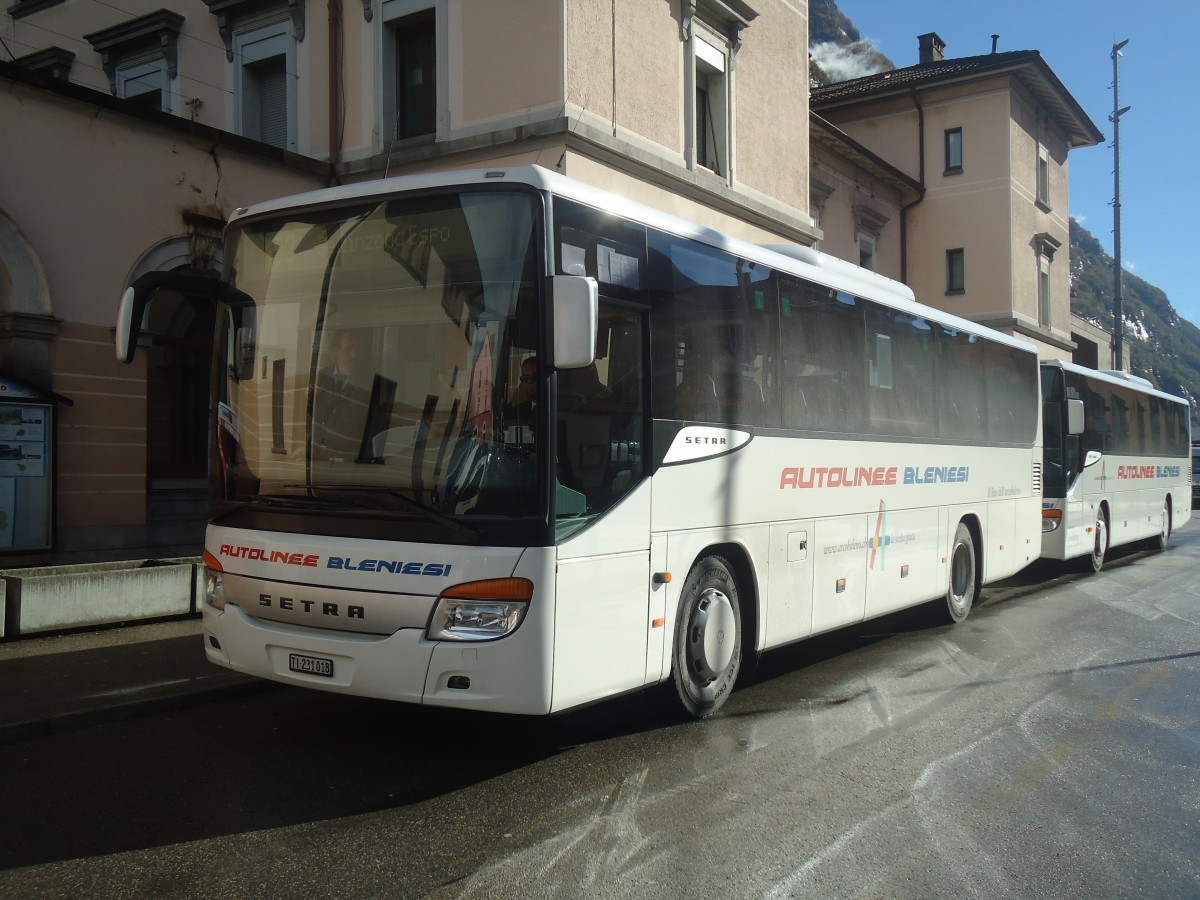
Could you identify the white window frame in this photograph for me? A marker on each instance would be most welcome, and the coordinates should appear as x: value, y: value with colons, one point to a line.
x: 952, y: 166
x: 710, y: 62
x: 386, y: 101
x: 146, y: 71
x: 868, y: 247
x: 1043, y: 176
x: 255, y: 44
x: 1044, y: 293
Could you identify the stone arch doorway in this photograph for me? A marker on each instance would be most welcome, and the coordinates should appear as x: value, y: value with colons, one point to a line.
x: 27, y: 325
x: 177, y: 338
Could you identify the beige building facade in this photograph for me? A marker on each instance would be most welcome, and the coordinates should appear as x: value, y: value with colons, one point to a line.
x: 986, y: 140
x: 132, y: 132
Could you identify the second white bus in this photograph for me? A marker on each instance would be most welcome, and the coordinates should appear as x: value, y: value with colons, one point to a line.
x: 594, y: 447
x: 1116, y: 463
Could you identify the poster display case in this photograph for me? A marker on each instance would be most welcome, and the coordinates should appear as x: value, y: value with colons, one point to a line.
x: 26, y: 466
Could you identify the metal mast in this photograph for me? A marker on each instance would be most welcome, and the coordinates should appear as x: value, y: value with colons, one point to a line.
x: 1118, y: 301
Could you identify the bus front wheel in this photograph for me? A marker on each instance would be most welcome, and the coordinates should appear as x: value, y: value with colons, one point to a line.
x: 1095, y: 560
x: 708, y: 637
x: 960, y: 593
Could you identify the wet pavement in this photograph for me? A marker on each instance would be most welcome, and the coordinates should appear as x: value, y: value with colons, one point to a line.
x: 64, y: 682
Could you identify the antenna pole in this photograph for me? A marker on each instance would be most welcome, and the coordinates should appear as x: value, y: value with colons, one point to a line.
x: 1118, y: 300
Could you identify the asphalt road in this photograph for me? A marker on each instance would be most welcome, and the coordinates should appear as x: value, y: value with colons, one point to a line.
x: 1047, y: 747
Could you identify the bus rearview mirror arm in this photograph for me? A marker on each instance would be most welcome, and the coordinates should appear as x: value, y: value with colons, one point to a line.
x: 140, y: 294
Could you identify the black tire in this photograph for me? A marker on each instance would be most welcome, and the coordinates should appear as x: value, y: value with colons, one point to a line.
x: 1094, y: 561
x: 707, y: 656
x: 960, y: 591
x: 1160, y: 542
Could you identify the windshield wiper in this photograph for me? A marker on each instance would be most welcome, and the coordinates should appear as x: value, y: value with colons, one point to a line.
x: 373, y: 491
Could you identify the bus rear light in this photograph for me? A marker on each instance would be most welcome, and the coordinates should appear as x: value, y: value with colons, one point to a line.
x: 480, y: 610
x: 1051, y: 519
x: 214, y: 581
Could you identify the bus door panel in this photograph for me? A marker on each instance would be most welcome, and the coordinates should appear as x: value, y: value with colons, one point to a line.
x: 1000, y: 536
x: 600, y: 626
x: 840, y: 572
x: 904, y: 551
x: 788, y: 615
x: 601, y: 617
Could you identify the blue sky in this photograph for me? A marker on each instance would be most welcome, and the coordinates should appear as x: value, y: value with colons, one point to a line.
x: 1160, y: 191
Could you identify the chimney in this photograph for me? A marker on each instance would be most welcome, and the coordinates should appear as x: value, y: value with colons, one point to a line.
x: 932, y: 47
x: 995, y: 41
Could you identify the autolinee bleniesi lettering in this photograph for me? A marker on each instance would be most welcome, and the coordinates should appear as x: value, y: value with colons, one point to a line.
x: 1148, y: 471
x: 821, y: 477
x: 867, y: 476
x: 287, y: 557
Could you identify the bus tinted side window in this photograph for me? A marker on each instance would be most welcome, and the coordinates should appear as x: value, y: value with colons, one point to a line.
x: 1012, y: 404
x: 714, y: 352
x: 821, y: 334
x: 900, y: 373
x: 962, y: 400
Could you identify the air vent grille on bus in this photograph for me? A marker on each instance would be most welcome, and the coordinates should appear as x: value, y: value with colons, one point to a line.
x: 1037, y: 478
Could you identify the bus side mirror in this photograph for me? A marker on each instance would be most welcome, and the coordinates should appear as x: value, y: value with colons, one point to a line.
x: 140, y: 294
x: 575, y: 303
x: 1074, y: 417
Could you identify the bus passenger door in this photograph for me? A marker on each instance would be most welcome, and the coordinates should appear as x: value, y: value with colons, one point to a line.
x: 790, y: 582
x: 601, y: 605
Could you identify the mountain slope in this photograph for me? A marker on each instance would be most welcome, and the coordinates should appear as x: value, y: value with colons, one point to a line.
x: 1163, y: 347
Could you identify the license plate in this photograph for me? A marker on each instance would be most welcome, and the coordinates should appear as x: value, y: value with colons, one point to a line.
x: 310, y: 665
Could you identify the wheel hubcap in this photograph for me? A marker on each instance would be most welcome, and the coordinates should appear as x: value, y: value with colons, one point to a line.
x: 711, y: 632
x: 960, y: 576
x: 1101, y: 540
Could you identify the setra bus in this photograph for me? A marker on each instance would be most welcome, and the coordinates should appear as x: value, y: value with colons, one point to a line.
x: 579, y: 447
x: 1116, y: 463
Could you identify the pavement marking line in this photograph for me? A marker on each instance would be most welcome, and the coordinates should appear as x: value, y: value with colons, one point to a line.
x: 1064, y: 748
x: 137, y: 689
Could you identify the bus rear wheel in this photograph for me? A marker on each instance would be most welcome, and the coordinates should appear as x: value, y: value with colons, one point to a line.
x: 1160, y: 541
x: 960, y: 593
x: 708, y: 637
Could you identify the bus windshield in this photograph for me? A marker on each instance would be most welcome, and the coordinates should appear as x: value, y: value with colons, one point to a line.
x: 375, y: 364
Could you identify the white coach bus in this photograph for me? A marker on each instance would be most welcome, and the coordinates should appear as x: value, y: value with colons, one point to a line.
x: 1116, y: 463
x: 585, y: 447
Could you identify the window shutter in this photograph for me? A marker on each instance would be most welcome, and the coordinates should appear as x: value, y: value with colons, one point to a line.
x: 272, y: 87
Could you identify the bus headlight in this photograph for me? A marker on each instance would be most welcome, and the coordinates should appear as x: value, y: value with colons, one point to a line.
x: 480, y: 610
x: 214, y: 581
x: 1051, y: 519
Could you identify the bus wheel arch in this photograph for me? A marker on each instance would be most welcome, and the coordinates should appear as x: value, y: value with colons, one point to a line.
x: 737, y: 556
x: 705, y: 657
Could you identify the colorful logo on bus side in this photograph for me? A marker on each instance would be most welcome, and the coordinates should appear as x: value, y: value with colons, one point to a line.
x: 866, y: 476
x: 881, y: 540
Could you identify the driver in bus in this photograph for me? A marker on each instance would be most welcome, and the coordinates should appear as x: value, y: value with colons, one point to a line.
x: 520, y: 409
x: 340, y: 400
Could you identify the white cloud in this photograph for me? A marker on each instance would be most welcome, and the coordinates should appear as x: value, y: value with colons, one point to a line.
x: 843, y: 62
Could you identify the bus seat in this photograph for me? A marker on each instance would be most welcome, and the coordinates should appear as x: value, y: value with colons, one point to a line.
x: 744, y: 399
x: 696, y: 398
